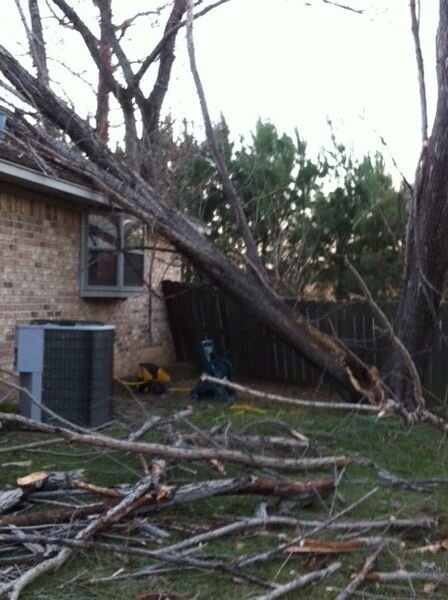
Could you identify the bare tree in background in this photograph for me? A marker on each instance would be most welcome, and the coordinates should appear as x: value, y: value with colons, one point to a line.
x: 130, y: 180
x: 426, y: 260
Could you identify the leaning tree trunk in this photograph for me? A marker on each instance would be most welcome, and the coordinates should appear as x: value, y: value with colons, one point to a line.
x: 349, y: 375
x: 427, y: 239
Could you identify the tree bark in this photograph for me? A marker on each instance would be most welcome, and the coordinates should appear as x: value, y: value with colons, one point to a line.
x: 38, y: 45
x: 426, y: 263
x: 103, y: 91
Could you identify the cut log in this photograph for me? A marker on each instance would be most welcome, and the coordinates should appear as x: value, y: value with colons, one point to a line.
x: 54, y: 480
x: 33, y: 481
x: 37, y: 481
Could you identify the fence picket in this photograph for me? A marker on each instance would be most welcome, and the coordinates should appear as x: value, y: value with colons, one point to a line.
x: 197, y: 312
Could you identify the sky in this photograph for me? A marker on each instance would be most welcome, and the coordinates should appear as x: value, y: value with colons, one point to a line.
x: 296, y: 63
x: 300, y: 65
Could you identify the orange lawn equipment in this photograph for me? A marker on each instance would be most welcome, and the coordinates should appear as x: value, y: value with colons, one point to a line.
x: 150, y: 378
x: 153, y: 378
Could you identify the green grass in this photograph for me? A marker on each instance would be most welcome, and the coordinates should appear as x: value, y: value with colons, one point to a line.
x: 410, y: 454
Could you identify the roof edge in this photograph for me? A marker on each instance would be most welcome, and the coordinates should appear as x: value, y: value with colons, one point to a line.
x: 11, y: 172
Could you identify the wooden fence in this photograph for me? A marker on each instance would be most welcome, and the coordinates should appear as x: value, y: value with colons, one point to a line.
x: 199, y: 312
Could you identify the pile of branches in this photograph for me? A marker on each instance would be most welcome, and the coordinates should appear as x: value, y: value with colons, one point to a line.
x: 49, y: 517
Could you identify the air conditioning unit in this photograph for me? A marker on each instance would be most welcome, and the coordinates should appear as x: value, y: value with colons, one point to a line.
x: 68, y: 367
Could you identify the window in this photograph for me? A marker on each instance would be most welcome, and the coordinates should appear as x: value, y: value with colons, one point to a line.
x: 112, y: 256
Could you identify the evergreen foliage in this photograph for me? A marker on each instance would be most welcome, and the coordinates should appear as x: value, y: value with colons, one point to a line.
x: 307, y: 214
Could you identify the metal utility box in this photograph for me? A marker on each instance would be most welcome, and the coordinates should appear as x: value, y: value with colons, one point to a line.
x: 67, y: 367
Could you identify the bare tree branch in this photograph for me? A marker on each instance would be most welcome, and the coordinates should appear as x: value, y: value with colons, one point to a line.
x: 359, y: 579
x: 418, y: 393
x: 102, y: 96
x: 166, y: 59
x: 346, y: 406
x: 94, y: 47
x: 229, y: 188
x: 111, y: 516
x: 414, y: 6
x: 358, y: 11
x: 39, y: 53
x: 263, y: 556
x: 182, y: 453
x: 152, y: 56
x: 300, y: 582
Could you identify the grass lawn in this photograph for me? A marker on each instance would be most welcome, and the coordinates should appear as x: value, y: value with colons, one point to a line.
x: 419, y: 453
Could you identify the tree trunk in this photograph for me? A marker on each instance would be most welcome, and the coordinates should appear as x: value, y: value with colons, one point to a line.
x: 427, y: 240
x: 103, y: 91
x: 38, y: 44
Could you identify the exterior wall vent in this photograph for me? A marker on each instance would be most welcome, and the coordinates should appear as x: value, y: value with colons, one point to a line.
x: 68, y: 367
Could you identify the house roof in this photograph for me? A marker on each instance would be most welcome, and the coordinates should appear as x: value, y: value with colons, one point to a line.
x: 21, y: 166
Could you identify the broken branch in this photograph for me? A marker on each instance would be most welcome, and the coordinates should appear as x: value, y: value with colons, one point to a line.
x: 180, y: 453
x: 300, y: 582
x: 111, y: 516
x: 291, y: 401
x: 361, y: 576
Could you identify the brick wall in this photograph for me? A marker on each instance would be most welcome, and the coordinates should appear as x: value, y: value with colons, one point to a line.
x: 39, y: 279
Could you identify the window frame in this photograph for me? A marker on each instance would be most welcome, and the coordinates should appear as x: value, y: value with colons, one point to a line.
x: 119, y: 290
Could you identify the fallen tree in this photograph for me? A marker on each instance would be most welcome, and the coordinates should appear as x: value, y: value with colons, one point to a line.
x: 131, y: 181
x: 126, y: 188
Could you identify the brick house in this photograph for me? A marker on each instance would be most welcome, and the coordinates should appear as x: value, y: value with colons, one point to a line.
x: 66, y: 254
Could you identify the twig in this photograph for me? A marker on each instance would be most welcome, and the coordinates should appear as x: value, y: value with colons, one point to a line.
x: 361, y: 576
x: 388, y: 477
x: 357, y: 11
x: 83, y: 544
x: 263, y: 556
x: 156, y: 420
x: 255, y: 441
x: 300, y: 582
x: 20, y: 447
x: 149, y: 424
x: 403, y: 575
x: 278, y: 423
x: 391, y: 522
